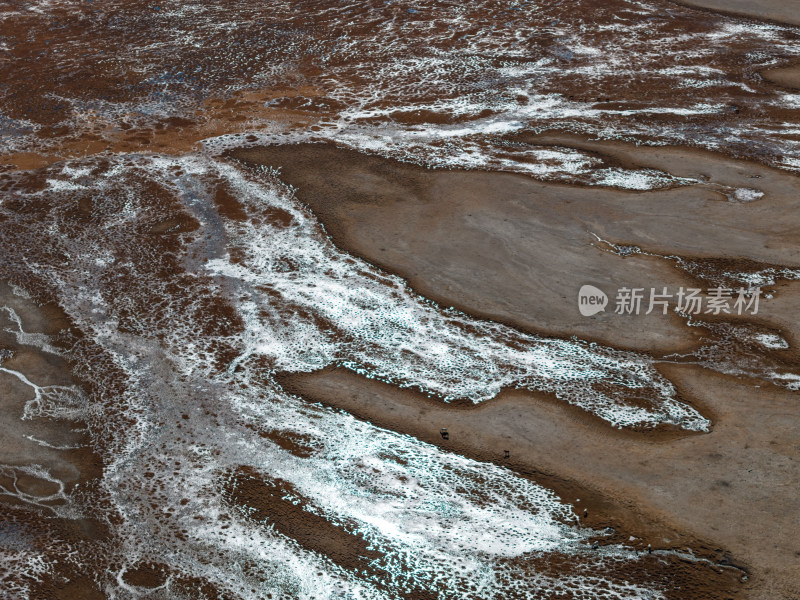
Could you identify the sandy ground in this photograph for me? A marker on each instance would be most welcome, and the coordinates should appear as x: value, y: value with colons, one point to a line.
x: 501, y: 247
x: 506, y: 247
x: 731, y: 491
x: 787, y: 77
x: 34, y: 441
x: 782, y: 11
x: 57, y: 447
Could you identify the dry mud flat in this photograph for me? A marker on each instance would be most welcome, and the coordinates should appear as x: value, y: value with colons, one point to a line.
x: 261, y: 446
x: 124, y: 229
x: 508, y: 248
x: 782, y: 11
x: 45, y: 452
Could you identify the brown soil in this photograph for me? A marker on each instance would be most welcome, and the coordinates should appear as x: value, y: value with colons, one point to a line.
x: 73, y: 463
x: 788, y: 77
x: 731, y: 491
x: 511, y: 249
x: 497, y: 246
x: 781, y: 11
x: 267, y: 500
x: 267, y: 503
x: 484, y: 242
x: 276, y: 504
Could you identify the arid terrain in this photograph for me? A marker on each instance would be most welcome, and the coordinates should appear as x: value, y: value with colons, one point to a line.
x: 293, y: 300
x: 464, y: 238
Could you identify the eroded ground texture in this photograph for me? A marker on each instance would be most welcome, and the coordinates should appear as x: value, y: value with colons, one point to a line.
x: 288, y: 300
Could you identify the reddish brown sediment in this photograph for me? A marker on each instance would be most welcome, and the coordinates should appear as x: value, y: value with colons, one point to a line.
x: 70, y: 465
x: 147, y: 575
x: 87, y: 80
x: 786, y: 77
x: 276, y: 504
x: 507, y: 248
x: 122, y: 81
x: 150, y: 250
x: 240, y: 113
x: 784, y: 319
x: 733, y: 488
x: 343, y: 197
x: 62, y: 447
x: 779, y: 11
x: 714, y: 171
x: 472, y: 240
x: 149, y: 246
